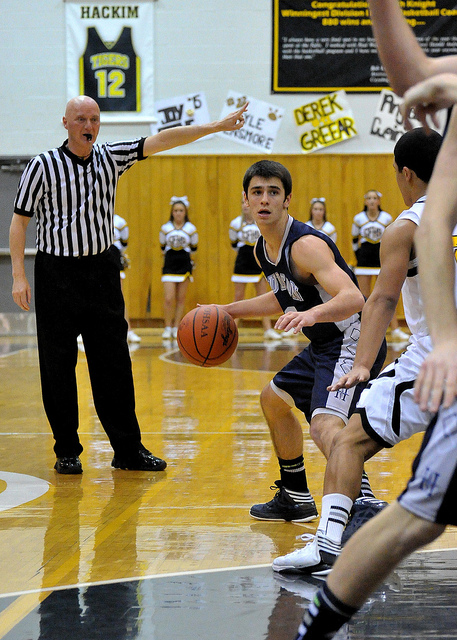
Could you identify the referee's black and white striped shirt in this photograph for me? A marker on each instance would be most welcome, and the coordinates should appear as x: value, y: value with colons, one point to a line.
x: 73, y: 199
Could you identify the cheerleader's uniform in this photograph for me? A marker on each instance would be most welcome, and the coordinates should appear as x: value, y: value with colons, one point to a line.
x: 327, y: 228
x: 121, y: 238
x: 177, y: 246
x: 366, y: 241
x: 243, y: 236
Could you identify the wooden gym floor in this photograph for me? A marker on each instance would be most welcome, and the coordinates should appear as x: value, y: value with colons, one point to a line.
x: 131, y: 555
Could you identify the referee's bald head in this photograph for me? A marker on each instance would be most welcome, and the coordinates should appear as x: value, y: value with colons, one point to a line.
x: 80, y: 102
x: 82, y: 121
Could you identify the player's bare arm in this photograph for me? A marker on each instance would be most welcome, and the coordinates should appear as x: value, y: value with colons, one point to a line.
x: 428, y: 97
x: 178, y: 136
x: 313, y: 261
x: 260, y: 306
x: 437, y: 380
x: 22, y: 294
x: 403, y: 59
x: 396, y: 245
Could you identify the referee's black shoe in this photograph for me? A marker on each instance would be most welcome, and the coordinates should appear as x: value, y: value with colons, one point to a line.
x: 142, y: 461
x: 68, y: 465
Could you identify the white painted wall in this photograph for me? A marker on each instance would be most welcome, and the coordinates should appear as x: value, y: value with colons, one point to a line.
x: 200, y: 45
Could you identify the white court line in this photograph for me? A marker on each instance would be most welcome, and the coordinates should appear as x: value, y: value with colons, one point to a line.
x: 13, y: 353
x: 20, y: 489
x: 156, y: 576
x: 436, y: 550
x: 165, y: 358
x: 143, y: 432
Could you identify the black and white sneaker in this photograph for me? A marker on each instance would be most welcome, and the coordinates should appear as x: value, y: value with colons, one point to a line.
x: 283, y: 508
x: 362, y: 510
x: 316, y: 558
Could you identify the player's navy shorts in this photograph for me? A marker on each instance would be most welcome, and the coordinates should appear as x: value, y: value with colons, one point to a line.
x: 304, y: 380
x: 431, y: 493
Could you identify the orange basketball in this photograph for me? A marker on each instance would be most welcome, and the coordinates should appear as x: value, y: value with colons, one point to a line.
x: 207, y: 336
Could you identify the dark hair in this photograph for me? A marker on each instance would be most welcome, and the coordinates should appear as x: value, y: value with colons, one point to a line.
x: 311, y: 209
x: 268, y: 169
x: 418, y: 150
x: 186, y: 217
x: 365, y: 207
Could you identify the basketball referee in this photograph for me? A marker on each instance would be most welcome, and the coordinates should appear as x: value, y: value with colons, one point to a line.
x: 71, y: 191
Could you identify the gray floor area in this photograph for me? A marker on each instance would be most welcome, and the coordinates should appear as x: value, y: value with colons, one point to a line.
x: 418, y: 601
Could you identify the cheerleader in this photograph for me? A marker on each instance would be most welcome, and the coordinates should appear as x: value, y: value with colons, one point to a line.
x: 178, y: 241
x: 367, y: 230
x: 318, y: 218
x: 243, y: 234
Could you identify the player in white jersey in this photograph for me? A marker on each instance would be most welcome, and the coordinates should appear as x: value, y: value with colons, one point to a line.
x: 243, y: 234
x: 386, y: 412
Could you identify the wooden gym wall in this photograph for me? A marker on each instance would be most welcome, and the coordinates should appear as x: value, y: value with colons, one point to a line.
x: 213, y: 185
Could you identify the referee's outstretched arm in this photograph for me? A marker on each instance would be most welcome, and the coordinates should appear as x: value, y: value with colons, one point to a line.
x: 178, y: 136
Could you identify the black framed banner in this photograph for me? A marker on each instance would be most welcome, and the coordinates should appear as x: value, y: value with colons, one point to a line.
x: 327, y: 45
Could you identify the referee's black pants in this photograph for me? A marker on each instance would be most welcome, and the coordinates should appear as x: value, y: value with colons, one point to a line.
x: 83, y: 296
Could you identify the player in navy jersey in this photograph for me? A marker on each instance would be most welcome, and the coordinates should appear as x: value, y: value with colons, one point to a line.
x: 315, y: 292
x: 71, y: 191
x: 243, y: 234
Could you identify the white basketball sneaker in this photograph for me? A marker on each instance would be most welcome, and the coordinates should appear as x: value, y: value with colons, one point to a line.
x: 311, y: 559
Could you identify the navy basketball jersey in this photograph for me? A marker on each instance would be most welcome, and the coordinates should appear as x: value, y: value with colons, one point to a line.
x: 109, y: 72
x: 294, y: 295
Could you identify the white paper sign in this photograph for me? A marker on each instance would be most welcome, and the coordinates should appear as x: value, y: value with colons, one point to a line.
x: 388, y: 122
x: 181, y: 111
x: 326, y: 121
x: 262, y: 122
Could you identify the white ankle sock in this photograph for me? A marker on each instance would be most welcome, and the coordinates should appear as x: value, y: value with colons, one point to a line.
x: 335, y: 512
